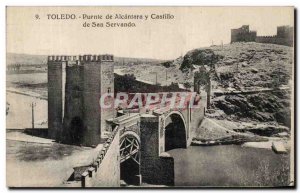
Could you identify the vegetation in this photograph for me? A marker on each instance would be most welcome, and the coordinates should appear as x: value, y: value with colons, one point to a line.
x: 202, y: 78
x: 200, y: 58
x: 126, y: 82
x: 187, y: 85
x: 167, y: 64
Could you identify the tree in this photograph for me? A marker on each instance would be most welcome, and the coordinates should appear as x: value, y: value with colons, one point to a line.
x: 187, y: 85
x: 202, y: 78
x: 126, y: 83
x: 199, y: 58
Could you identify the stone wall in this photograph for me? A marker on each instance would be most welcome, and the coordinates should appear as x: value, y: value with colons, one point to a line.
x: 72, y: 132
x: 86, y: 78
x: 107, y: 86
x: 274, y: 40
x: 155, y: 169
x: 105, y: 171
x: 56, y: 81
x: 91, y: 98
x: 284, y: 36
x: 196, y: 116
x: 243, y: 34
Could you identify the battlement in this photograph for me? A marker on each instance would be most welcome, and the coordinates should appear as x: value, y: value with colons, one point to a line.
x: 75, y: 77
x: 82, y: 58
x: 243, y: 34
x: 274, y: 36
x: 284, y: 36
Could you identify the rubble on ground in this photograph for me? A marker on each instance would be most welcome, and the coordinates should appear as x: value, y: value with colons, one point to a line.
x: 278, y: 147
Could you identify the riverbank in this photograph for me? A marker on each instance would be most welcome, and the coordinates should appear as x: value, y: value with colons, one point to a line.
x: 223, y: 132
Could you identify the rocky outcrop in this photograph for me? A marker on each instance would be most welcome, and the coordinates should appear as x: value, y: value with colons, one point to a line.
x: 263, y: 107
x: 234, y: 139
x: 266, y: 130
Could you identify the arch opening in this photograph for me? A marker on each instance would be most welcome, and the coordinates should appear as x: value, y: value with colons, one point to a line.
x: 130, y: 159
x: 175, y: 132
x: 76, y: 131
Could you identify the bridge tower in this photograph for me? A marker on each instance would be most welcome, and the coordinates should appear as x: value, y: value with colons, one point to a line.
x: 56, y: 94
x: 76, y: 84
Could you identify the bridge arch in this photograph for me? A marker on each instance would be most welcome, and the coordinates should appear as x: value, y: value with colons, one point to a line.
x: 130, y: 157
x: 174, y: 131
x: 76, y: 131
x: 129, y: 146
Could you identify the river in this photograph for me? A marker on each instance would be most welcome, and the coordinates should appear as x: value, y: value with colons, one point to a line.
x: 229, y: 165
x: 20, y: 111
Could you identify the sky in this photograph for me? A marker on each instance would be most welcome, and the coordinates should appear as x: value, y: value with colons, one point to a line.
x: 192, y: 27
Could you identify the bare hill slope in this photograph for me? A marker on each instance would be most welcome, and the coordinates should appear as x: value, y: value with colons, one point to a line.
x: 245, y: 65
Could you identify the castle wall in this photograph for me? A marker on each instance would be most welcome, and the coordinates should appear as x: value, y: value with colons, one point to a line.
x: 285, y: 36
x: 285, y: 32
x: 74, y: 104
x: 56, y: 81
x: 85, y: 78
x: 91, y: 97
x: 243, y: 34
x: 275, y: 40
x: 234, y: 35
x: 107, y: 86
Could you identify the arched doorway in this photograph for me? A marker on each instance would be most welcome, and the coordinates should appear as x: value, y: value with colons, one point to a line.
x: 175, y: 132
x: 130, y: 158
x: 76, y: 131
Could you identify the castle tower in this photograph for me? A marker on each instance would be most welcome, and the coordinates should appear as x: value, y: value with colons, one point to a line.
x: 87, y: 78
x: 243, y: 34
x: 98, y: 79
x: 56, y: 94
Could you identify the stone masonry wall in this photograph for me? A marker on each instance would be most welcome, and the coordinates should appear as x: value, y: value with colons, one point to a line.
x: 74, y: 104
x: 105, y: 171
x: 107, y: 86
x: 82, y: 119
x: 155, y: 169
x: 91, y: 96
x: 55, y: 97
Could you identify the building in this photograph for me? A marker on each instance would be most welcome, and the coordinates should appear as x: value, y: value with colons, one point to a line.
x: 243, y: 34
x: 75, y: 85
x: 284, y: 36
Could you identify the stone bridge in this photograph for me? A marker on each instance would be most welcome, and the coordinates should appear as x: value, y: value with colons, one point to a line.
x: 133, y: 144
x: 145, y: 138
x: 136, y: 150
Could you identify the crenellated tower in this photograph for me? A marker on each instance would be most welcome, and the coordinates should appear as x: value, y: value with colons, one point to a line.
x: 75, y: 85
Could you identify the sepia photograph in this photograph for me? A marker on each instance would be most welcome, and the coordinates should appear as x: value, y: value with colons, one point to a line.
x: 150, y: 97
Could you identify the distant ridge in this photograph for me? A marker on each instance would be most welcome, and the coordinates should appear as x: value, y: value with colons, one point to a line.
x: 28, y: 59
x: 25, y: 59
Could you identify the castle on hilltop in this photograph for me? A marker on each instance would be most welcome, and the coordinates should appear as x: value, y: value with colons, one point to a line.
x: 284, y: 36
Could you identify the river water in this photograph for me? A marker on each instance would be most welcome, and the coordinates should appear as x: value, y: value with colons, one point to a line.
x: 229, y: 165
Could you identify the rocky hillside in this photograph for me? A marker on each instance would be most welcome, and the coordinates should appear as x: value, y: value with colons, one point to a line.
x: 260, y: 107
x: 244, y: 67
